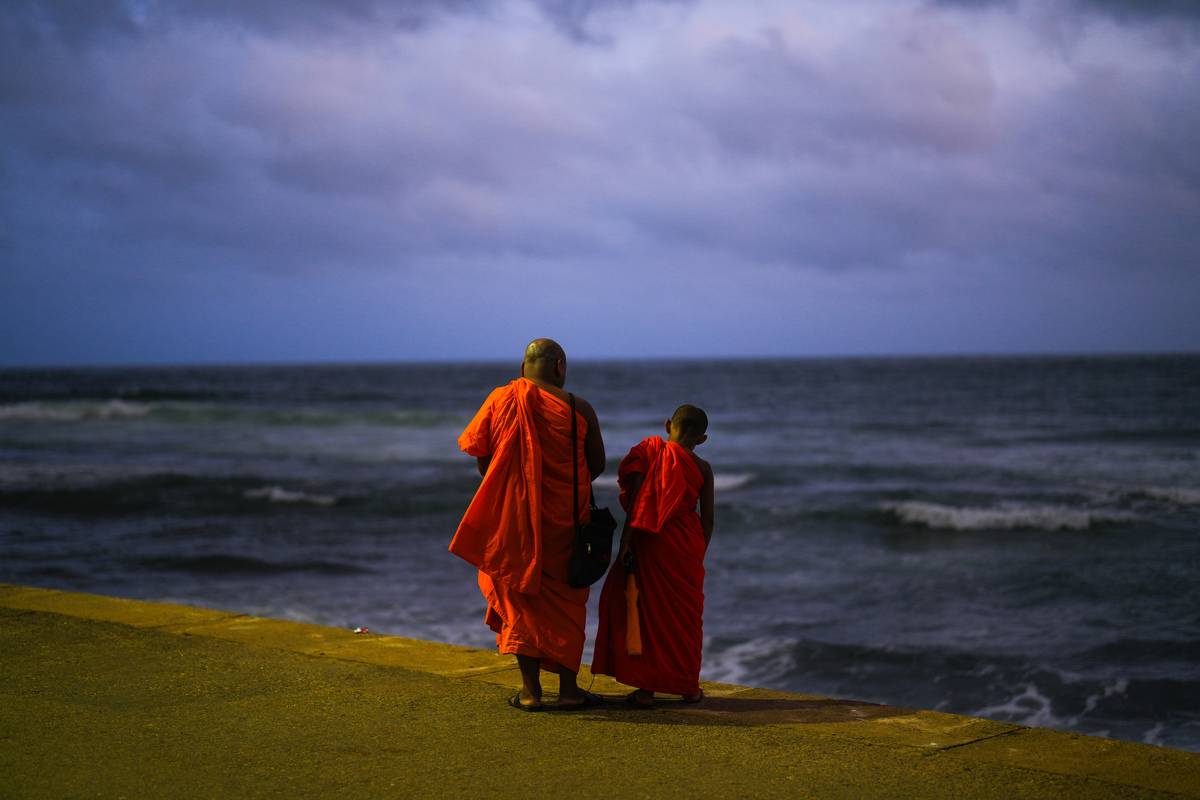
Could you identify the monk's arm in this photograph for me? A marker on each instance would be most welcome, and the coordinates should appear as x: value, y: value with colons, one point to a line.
x: 593, y: 443
x: 477, y: 438
x: 707, y: 514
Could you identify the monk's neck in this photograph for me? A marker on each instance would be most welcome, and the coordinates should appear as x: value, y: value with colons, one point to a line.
x: 557, y: 391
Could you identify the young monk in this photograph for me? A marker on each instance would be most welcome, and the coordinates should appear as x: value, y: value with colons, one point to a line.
x: 650, y: 632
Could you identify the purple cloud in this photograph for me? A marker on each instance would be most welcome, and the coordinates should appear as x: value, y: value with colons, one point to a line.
x: 354, y: 144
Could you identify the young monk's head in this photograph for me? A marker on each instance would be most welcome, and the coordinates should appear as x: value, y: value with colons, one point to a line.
x: 688, y: 426
x: 545, y: 362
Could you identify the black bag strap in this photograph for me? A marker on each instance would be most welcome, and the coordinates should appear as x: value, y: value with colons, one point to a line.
x: 574, y: 467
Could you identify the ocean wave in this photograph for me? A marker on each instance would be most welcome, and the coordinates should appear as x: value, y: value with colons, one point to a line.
x: 116, y: 409
x: 226, y: 564
x: 277, y: 494
x: 605, y: 482
x: 732, y: 481
x: 1172, y: 435
x: 73, y: 411
x: 1004, y: 517
x: 1156, y: 705
x: 726, y: 482
x: 1030, y: 706
x: 1178, y: 495
x: 763, y: 660
x: 1132, y: 652
x: 181, y: 493
x: 106, y: 497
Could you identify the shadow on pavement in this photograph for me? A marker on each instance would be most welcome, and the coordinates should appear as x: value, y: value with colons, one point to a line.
x: 745, y: 711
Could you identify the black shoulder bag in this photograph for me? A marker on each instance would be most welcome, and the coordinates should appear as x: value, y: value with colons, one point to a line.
x: 593, y: 541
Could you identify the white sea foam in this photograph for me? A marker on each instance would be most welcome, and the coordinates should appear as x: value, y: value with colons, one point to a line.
x: 759, y: 661
x: 732, y: 481
x: 606, y: 482
x: 1004, y: 517
x: 73, y: 412
x: 1115, y: 688
x: 727, y: 482
x: 277, y: 494
x: 1155, y: 735
x: 1030, y: 707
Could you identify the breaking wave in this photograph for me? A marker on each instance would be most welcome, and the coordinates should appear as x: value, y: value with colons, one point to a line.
x: 223, y: 564
x: 727, y: 482
x: 71, y: 411
x: 1149, y: 705
x: 155, y: 492
x: 277, y: 494
x: 1004, y: 517
x: 731, y: 481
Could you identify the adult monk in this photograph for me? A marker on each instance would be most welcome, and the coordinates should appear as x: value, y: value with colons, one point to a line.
x: 519, y: 528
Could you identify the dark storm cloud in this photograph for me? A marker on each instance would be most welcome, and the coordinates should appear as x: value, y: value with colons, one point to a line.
x: 81, y: 21
x: 307, y: 138
x: 405, y: 146
x: 1125, y: 9
x: 1147, y: 8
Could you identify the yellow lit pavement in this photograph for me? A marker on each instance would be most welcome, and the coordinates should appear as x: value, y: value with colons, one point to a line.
x: 104, y: 697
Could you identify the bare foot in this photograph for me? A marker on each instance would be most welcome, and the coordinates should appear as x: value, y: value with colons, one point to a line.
x: 531, y: 690
x: 694, y: 698
x: 640, y: 698
x: 569, y: 693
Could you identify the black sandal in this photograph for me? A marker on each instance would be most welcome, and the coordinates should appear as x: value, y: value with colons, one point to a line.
x: 589, y: 701
x: 515, y: 702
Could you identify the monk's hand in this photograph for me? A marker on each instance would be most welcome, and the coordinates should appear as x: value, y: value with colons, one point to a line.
x: 627, y: 559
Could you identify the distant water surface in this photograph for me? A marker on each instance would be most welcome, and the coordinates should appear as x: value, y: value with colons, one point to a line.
x: 1012, y: 538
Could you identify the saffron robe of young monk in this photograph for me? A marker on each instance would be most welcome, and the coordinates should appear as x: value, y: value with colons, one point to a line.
x: 518, y: 530
x: 668, y: 545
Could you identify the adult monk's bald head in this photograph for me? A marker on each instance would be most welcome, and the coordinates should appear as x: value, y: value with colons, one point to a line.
x: 545, y: 362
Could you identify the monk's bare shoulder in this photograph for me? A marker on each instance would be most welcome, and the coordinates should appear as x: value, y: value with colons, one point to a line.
x: 705, y: 468
x: 594, y: 443
x: 585, y: 408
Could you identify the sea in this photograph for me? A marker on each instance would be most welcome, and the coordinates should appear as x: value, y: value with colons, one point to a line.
x: 1012, y: 538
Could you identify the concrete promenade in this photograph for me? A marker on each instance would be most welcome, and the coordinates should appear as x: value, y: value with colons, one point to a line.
x: 103, y: 697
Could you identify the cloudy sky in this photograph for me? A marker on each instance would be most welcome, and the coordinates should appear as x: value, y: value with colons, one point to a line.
x: 279, y: 180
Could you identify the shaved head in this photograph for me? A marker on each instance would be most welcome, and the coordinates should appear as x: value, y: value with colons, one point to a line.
x: 691, y: 420
x: 544, y: 350
x: 545, y: 362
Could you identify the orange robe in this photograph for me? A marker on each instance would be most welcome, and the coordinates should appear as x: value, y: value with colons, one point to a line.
x: 668, y: 544
x: 518, y: 530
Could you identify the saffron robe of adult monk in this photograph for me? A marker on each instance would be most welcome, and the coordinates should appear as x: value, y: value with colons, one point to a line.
x: 518, y: 530
x: 668, y: 545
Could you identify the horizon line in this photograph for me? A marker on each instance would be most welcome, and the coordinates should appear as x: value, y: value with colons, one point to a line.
x: 475, y: 361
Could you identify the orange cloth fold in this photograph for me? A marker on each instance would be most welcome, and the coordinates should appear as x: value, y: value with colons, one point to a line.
x: 668, y: 603
x: 519, y: 527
